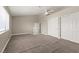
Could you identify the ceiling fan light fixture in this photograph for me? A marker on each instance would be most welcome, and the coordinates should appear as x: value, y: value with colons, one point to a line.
x: 46, y: 13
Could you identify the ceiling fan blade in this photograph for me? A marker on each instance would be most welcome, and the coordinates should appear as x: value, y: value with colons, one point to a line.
x: 50, y: 11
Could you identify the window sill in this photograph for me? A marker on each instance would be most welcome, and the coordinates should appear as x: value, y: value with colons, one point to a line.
x: 2, y: 32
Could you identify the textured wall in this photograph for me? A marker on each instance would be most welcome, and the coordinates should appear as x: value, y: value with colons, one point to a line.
x: 23, y: 24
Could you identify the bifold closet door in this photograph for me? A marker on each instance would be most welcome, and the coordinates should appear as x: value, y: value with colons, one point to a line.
x: 70, y: 27
x: 76, y: 27
x: 53, y: 28
x: 66, y: 27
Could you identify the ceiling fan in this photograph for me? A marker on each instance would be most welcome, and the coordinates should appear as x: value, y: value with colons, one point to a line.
x: 46, y: 11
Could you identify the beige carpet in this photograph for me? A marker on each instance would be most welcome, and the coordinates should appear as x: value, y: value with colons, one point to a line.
x: 40, y: 44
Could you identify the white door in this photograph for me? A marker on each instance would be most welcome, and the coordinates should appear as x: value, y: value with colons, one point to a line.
x: 66, y: 27
x: 75, y: 27
x: 70, y: 27
x: 36, y: 28
x: 53, y: 28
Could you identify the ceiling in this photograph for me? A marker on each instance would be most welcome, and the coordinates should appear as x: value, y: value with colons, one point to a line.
x: 32, y: 10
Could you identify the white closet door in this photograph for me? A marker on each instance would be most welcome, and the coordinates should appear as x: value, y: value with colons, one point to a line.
x: 70, y: 27
x: 76, y: 27
x: 53, y: 28
x: 66, y: 27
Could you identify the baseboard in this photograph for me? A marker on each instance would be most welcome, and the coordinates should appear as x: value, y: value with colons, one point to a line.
x: 19, y: 34
x: 71, y: 41
x: 6, y: 44
x: 43, y: 34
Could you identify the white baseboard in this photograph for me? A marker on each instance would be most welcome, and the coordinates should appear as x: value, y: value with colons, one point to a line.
x: 20, y: 34
x: 43, y: 34
x: 6, y: 44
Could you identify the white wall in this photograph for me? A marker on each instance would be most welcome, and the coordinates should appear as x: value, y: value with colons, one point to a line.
x: 44, y: 25
x: 5, y: 37
x: 23, y: 24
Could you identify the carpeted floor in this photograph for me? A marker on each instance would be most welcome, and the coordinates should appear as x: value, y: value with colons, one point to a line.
x: 40, y: 44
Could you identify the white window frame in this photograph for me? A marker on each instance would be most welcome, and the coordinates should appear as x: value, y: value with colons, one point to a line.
x: 5, y: 19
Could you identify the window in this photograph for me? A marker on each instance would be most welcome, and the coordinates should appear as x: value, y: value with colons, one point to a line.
x: 4, y: 20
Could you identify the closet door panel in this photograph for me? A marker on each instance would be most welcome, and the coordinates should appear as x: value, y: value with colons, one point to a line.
x: 70, y: 27
x: 53, y: 27
x: 66, y: 27
x: 76, y: 27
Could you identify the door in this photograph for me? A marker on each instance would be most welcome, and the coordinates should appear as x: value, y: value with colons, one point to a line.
x: 66, y: 27
x: 53, y: 28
